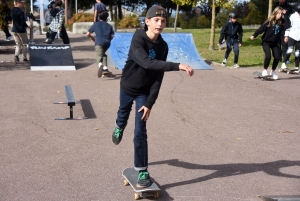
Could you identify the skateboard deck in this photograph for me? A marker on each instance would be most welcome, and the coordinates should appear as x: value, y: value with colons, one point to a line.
x: 259, y: 76
x: 131, y: 175
x: 107, y: 74
x: 289, y: 70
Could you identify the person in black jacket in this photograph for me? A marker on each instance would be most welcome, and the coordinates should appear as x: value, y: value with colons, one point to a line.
x: 271, y: 30
x: 232, y: 31
x: 19, y: 29
x: 141, y: 81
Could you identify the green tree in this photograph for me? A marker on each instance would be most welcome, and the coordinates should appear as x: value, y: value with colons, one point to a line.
x: 255, y: 16
x: 216, y: 5
x: 181, y: 3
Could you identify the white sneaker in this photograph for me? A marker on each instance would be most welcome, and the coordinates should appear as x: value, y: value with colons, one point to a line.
x: 224, y: 62
x: 264, y: 73
x: 283, y: 66
x: 274, y: 75
x: 297, y: 68
x: 236, y: 66
x: 100, y: 69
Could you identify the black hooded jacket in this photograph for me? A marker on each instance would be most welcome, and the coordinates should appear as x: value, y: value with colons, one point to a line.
x: 232, y: 31
x: 144, y: 69
x: 271, y: 34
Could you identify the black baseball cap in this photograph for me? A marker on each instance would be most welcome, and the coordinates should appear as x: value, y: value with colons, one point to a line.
x: 156, y: 11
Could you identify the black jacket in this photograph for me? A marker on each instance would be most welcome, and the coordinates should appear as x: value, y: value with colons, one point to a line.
x: 231, y: 31
x: 287, y: 7
x: 271, y: 34
x: 144, y: 69
x: 19, y: 20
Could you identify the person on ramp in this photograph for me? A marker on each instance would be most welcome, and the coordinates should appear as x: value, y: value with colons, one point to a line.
x: 104, y: 34
x: 292, y: 36
x: 232, y: 31
x: 271, y: 30
x: 140, y: 82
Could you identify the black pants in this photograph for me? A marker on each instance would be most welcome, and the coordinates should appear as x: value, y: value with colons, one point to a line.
x: 284, y: 45
x: 292, y: 43
x: 47, y: 33
x: 64, y: 36
x: 275, y: 52
x: 235, y: 46
x: 7, y: 34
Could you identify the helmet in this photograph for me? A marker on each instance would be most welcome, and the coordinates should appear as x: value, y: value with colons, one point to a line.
x: 297, y: 8
x: 233, y: 14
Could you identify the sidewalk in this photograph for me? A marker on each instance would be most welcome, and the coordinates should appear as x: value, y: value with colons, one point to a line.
x: 220, y: 135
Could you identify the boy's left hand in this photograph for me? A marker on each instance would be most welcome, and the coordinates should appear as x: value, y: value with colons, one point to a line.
x: 146, y: 114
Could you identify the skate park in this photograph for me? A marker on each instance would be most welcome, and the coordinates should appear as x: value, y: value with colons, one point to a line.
x: 219, y: 135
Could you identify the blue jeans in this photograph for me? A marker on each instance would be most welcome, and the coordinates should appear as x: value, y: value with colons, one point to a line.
x: 140, y: 131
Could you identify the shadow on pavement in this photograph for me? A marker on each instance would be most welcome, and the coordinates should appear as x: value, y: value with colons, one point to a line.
x: 227, y: 170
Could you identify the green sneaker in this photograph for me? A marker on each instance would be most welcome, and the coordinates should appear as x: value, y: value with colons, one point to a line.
x: 117, y: 135
x: 144, y: 180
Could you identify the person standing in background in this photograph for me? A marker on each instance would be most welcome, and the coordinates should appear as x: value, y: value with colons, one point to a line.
x: 286, y: 12
x: 98, y: 8
x: 6, y: 18
x: 48, y: 20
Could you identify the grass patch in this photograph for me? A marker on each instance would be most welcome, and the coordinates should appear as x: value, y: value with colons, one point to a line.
x: 251, y: 52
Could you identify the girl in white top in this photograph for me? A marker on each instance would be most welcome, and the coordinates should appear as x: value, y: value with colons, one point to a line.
x: 292, y: 36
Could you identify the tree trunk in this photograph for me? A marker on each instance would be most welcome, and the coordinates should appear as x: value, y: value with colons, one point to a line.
x: 212, y: 29
x: 270, y: 7
x: 70, y: 7
x: 175, y: 23
x: 120, y: 14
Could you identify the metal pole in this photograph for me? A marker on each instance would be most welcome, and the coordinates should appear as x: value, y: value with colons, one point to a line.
x: 41, y: 15
x: 31, y: 6
x: 76, y: 6
x: 66, y: 11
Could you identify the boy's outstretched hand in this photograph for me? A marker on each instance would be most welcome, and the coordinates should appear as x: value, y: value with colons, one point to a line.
x: 146, y: 114
x: 189, y: 70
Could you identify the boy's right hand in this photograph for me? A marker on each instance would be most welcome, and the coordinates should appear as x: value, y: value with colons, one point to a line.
x: 189, y: 70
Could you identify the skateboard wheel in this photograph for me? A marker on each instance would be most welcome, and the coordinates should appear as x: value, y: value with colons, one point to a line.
x: 136, y: 196
x: 103, y: 76
x: 126, y: 183
x: 287, y: 72
x: 156, y: 195
x: 279, y: 70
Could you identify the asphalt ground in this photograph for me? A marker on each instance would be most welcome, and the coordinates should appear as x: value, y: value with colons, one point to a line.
x: 220, y: 135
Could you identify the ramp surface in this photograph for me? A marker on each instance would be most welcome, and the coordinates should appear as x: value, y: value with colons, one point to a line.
x: 181, y: 50
x: 51, y: 57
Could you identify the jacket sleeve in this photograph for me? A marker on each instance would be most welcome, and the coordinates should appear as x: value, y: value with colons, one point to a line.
x: 240, y: 31
x: 223, y: 33
x: 61, y: 18
x: 260, y: 30
x: 154, y: 90
x: 287, y: 27
x: 138, y: 54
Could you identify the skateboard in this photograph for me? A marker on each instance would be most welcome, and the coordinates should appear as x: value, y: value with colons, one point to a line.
x: 289, y: 70
x: 259, y: 76
x: 107, y: 74
x: 131, y: 175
